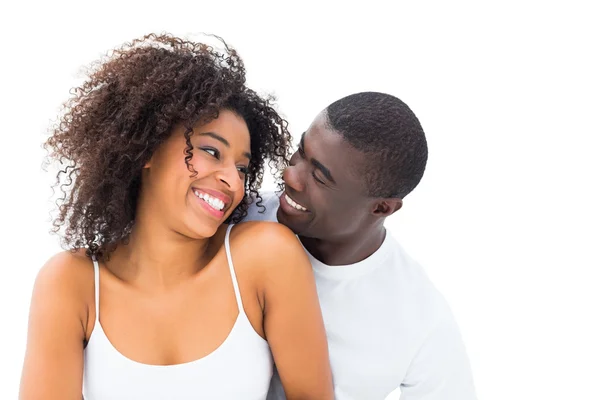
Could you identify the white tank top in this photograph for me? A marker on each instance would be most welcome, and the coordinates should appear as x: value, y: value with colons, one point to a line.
x: 240, y: 368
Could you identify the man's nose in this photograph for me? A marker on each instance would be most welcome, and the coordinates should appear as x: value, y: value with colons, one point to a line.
x: 293, y: 177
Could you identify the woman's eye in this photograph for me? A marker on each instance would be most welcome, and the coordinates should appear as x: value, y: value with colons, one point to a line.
x: 243, y: 170
x: 211, y: 151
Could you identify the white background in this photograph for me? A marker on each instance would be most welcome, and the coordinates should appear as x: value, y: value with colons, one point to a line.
x: 506, y: 220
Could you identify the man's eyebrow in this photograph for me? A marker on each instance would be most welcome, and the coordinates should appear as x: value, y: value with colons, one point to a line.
x: 324, y: 170
x: 221, y: 139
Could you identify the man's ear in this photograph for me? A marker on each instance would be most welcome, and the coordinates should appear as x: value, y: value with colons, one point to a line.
x: 386, y: 207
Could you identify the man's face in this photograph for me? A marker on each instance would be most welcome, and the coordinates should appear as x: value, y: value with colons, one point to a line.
x: 324, y: 196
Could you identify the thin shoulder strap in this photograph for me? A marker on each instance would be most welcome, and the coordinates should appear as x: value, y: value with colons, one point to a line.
x: 96, y: 287
x: 236, y: 288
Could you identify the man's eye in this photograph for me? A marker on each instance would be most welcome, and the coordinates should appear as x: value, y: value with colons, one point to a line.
x: 317, y: 179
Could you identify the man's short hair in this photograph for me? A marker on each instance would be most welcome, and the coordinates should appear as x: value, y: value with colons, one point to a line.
x: 385, y: 129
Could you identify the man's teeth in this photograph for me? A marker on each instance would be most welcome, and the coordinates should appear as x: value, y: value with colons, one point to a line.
x: 294, y: 204
x: 212, y: 201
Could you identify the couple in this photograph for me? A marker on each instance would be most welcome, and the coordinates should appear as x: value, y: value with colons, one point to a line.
x: 164, y: 296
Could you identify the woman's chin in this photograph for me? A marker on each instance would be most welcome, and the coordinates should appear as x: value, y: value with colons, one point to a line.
x: 199, y: 226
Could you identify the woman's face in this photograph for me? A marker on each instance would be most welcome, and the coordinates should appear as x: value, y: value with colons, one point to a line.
x: 195, y: 206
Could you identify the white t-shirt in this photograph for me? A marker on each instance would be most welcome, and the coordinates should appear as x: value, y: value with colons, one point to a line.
x: 387, y: 327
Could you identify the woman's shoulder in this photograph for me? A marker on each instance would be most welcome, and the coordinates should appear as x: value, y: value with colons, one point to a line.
x: 264, y: 233
x: 265, y: 242
x: 68, y: 275
x: 69, y: 265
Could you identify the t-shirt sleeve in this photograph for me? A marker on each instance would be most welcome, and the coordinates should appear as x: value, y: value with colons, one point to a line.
x: 440, y: 369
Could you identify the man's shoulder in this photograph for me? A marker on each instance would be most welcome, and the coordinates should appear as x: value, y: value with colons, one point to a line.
x: 416, y: 294
x: 263, y: 207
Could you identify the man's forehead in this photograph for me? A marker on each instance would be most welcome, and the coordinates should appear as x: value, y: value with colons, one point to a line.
x: 327, y: 141
x: 330, y: 149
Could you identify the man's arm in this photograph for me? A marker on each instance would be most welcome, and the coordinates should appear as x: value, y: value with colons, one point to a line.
x: 441, y: 368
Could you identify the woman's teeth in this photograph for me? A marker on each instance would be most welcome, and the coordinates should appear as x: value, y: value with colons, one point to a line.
x: 292, y: 203
x: 212, y: 201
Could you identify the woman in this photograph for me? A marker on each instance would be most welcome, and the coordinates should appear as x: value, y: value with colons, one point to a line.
x: 159, y: 298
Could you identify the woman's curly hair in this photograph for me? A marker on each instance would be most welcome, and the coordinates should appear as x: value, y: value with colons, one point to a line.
x: 127, y: 107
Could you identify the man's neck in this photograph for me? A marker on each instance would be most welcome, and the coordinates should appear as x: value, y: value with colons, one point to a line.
x: 347, y: 250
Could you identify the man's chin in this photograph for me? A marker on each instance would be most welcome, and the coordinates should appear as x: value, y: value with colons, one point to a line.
x: 288, y: 221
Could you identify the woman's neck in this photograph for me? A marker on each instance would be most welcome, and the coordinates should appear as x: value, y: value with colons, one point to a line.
x: 158, y: 258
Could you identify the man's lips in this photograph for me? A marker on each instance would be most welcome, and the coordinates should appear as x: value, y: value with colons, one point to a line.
x: 289, y: 203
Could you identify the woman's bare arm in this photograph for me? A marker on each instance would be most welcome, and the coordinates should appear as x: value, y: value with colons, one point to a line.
x: 293, y: 322
x: 53, y: 367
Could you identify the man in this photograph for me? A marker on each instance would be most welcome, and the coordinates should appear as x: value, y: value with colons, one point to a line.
x: 387, y: 326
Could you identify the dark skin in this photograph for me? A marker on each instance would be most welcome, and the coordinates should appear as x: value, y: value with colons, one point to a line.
x: 166, y: 296
x: 331, y: 212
